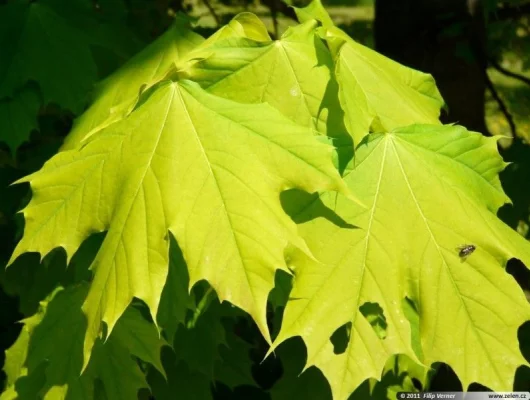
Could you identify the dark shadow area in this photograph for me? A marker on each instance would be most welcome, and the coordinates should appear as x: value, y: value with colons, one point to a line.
x: 444, y: 379
x: 175, y: 298
x: 395, y: 375
x: 277, y: 301
x: 223, y: 392
x: 344, y: 152
x: 53, y: 123
x: 521, y: 274
x: 268, y: 372
x: 375, y: 315
x: 180, y: 379
x: 522, y: 376
x: 361, y: 31
x: 336, y: 130
x: 293, y: 384
x: 9, y: 328
x: 477, y: 387
x: 522, y: 379
x: 517, y: 215
x: 340, y: 338
x: 302, y: 207
x: 33, y: 280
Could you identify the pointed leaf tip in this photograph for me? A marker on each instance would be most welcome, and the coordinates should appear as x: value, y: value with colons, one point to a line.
x: 132, y: 173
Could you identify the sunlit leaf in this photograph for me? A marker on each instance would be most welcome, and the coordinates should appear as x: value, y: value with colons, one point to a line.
x: 207, y: 169
x: 430, y: 190
x: 291, y: 74
x: 378, y: 94
x: 116, y: 96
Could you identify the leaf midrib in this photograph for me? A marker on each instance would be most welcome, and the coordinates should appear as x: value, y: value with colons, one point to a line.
x: 212, y: 173
x: 448, y: 270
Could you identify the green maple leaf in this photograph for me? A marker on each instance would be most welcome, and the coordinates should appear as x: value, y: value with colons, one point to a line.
x: 375, y: 92
x: 295, y: 382
x: 53, y: 339
x: 314, y: 10
x: 429, y: 189
x: 243, y: 25
x: 208, y: 344
x: 15, y: 366
x: 291, y: 74
x: 379, y: 94
x: 198, y: 345
x: 32, y: 280
x: 40, y: 45
x: 18, y: 117
x: 112, y: 364
x: 207, y: 169
x: 116, y: 96
x: 398, y: 375
x: 181, y: 381
x: 234, y: 366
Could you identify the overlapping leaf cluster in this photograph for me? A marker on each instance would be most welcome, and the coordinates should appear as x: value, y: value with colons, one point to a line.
x: 229, y: 159
x: 49, y: 55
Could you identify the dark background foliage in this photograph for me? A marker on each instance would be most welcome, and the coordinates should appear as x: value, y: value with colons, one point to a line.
x: 477, y: 50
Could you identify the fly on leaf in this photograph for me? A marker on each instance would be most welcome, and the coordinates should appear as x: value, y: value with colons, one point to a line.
x: 465, y: 250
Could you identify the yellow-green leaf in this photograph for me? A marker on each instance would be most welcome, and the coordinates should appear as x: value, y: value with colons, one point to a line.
x: 207, y: 169
x: 378, y: 94
x: 116, y: 96
x: 429, y: 190
x: 292, y: 74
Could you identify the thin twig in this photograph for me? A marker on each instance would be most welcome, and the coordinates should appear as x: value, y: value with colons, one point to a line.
x: 201, y: 307
x: 481, y: 55
x: 274, y: 16
x: 212, y: 11
x: 501, y: 103
x: 506, y: 72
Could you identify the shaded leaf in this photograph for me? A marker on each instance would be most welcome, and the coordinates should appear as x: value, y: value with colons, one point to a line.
x: 234, y: 367
x: 18, y: 117
x: 35, y: 38
x: 175, y: 300
x: 198, y: 346
x: 15, y: 367
x: 295, y: 382
x: 53, y: 340
x: 398, y: 376
x: 181, y: 381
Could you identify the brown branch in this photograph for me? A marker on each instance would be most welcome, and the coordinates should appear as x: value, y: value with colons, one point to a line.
x: 509, y: 73
x: 274, y: 16
x: 281, y: 7
x: 275, y: 7
x: 501, y: 103
x: 212, y: 11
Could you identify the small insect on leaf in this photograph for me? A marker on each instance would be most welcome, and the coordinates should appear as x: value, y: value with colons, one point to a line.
x: 465, y: 250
